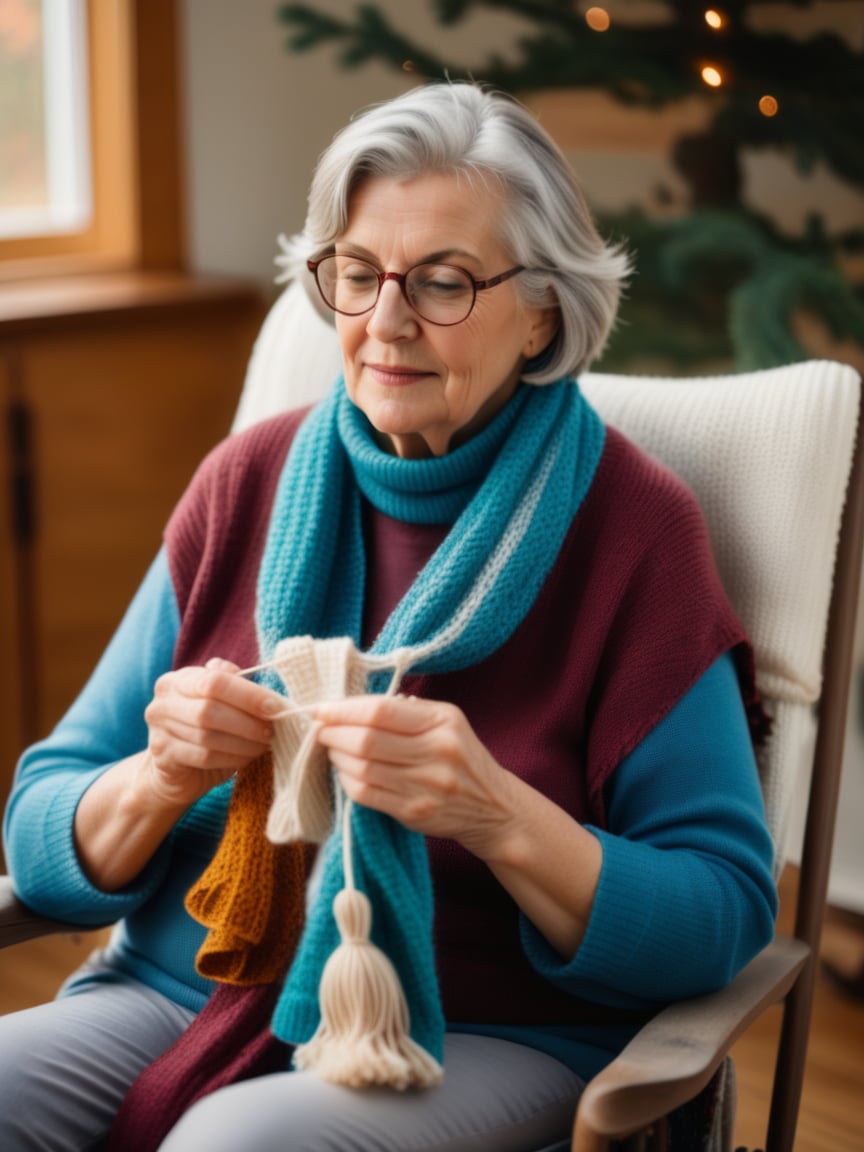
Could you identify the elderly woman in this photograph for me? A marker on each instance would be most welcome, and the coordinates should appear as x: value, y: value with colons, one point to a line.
x: 552, y: 703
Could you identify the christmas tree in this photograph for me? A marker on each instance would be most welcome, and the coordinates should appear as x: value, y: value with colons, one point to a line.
x: 729, y: 279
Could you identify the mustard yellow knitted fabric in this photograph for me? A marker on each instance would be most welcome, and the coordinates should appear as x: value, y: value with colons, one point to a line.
x: 251, y: 896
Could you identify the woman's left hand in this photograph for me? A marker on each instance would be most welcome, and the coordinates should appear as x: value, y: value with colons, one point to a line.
x: 421, y: 762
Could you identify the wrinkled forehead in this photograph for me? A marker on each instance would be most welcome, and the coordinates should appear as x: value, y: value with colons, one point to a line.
x: 436, y: 210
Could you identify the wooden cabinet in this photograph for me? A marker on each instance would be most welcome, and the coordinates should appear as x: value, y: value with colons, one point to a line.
x: 113, y: 389
x: 10, y: 681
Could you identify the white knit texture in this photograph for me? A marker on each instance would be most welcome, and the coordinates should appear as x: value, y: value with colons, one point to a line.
x: 295, y: 360
x: 312, y: 671
x: 767, y: 455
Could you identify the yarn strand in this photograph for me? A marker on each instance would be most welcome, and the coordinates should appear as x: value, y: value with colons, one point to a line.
x: 364, y: 1035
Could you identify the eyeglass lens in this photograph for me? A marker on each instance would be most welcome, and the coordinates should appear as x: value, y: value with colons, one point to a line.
x: 440, y: 293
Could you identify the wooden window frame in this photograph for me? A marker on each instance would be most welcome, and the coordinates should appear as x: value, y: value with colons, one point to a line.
x: 135, y: 128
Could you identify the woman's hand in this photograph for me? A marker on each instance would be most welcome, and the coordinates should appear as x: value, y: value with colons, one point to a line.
x: 204, y: 725
x: 421, y: 762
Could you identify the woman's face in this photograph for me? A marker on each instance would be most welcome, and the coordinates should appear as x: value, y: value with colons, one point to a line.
x: 427, y: 388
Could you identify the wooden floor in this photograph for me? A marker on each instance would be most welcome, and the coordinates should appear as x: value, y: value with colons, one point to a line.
x: 832, y: 1105
x: 831, y: 1117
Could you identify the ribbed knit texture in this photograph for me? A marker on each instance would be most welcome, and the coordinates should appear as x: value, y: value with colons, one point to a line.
x: 251, y: 894
x: 516, y: 488
x: 767, y: 454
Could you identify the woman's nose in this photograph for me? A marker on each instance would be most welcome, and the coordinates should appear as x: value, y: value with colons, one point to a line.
x: 392, y: 317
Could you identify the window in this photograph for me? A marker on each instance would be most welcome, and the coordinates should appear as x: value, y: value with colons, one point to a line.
x: 44, y: 131
x: 89, y: 136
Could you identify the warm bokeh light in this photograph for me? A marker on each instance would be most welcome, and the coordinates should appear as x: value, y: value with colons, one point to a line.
x: 407, y: 65
x: 714, y: 19
x: 768, y: 106
x: 597, y: 19
x: 712, y: 76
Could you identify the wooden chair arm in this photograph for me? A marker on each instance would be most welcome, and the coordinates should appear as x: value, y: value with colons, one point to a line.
x: 19, y: 923
x: 676, y: 1053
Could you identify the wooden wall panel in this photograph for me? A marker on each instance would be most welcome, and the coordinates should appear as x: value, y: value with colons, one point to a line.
x: 10, y: 702
x: 122, y: 407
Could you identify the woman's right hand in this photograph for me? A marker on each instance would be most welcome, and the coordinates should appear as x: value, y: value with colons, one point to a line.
x: 204, y: 725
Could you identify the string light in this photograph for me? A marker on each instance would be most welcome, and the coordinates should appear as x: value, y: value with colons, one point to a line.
x: 597, y: 19
x: 714, y: 19
x: 712, y: 76
x: 768, y: 106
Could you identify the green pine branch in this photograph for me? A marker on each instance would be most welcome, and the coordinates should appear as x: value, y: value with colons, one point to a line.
x: 369, y: 37
x: 556, y: 13
x: 311, y: 28
x: 734, y: 264
x: 725, y: 286
x: 651, y: 65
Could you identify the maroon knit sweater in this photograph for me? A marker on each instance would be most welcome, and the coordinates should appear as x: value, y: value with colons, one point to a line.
x: 630, y: 617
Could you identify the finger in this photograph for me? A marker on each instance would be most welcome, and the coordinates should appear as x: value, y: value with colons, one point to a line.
x: 243, y: 694
x: 367, y: 785
x: 182, y: 716
x: 386, y: 774
x: 377, y: 745
x: 221, y: 754
x: 221, y: 684
x: 403, y: 795
x: 218, y: 741
x: 400, y: 714
x: 223, y: 665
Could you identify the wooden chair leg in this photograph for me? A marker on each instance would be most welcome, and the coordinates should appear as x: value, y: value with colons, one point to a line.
x: 789, y: 1072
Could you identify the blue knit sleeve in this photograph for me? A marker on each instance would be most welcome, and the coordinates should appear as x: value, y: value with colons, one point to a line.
x: 686, y: 895
x: 105, y: 724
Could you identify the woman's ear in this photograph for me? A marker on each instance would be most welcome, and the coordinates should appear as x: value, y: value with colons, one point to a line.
x: 543, y: 328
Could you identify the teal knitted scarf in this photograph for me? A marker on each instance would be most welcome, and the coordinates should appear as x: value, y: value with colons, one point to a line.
x: 510, y: 494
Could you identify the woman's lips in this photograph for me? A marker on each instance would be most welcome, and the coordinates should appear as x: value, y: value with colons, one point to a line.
x: 396, y: 375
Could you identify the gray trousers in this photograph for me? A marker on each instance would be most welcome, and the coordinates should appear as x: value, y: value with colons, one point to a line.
x: 65, y: 1067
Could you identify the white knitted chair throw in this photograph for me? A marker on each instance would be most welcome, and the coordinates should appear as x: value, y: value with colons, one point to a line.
x: 768, y: 456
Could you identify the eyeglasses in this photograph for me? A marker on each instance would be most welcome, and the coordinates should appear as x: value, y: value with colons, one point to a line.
x: 440, y: 293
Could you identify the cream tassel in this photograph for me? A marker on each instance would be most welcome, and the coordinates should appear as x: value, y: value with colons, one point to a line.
x: 364, y: 1035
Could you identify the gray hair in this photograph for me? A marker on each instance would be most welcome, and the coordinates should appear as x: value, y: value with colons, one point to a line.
x: 465, y: 129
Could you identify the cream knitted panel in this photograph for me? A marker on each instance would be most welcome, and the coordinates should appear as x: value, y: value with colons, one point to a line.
x: 767, y: 455
x: 312, y: 671
x: 784, y: 765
